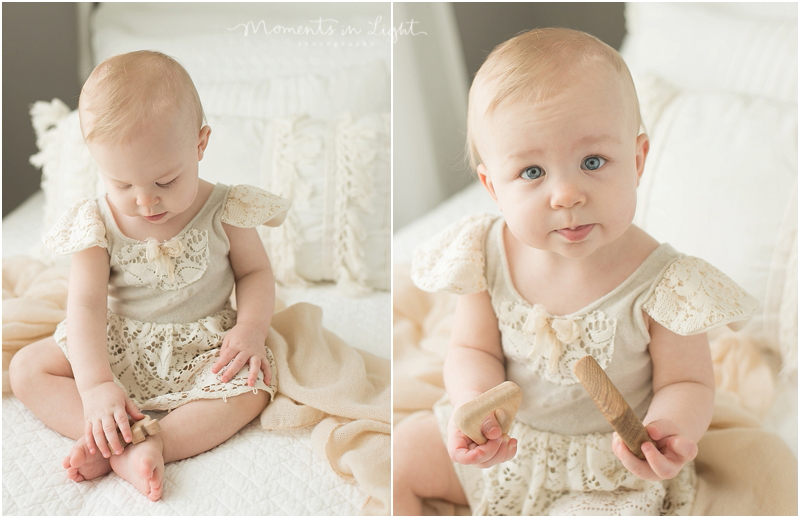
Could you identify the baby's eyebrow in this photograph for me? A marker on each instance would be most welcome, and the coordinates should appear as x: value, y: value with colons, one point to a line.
x: 597, y: 139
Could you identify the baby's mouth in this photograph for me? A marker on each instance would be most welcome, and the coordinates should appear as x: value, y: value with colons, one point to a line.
x: 575, y: 234
x: 155, y: 217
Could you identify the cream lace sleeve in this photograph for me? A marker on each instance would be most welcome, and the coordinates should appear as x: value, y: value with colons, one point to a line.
x: 694, y: 297
x: 78, y: 229
x: 453, y: 260
x: 247, y: 206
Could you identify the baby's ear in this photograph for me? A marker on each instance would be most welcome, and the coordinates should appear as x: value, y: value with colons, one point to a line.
x: 642, y: 148
x: 202, y: 141
x: 483, y: 174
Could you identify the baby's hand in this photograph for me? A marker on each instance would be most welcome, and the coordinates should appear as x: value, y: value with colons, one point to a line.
x: 105, y: 408
x: 498, y: 448
x: 663, y: 462
x: 243, y: 344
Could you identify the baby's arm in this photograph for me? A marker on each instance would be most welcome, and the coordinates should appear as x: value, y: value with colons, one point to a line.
x: 473, y: 365
x: 255, y: 303
x: 105, y: 405
x: 683, y: 402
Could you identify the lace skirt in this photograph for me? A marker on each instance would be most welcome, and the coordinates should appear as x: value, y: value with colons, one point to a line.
x: 554, y: 474
x: 164, y: 366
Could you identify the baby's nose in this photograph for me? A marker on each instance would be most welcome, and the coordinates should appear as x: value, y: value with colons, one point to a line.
x: 566, y: 194
x: 146, y: 199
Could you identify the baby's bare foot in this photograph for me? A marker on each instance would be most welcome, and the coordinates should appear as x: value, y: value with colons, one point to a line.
x: 82, y: 465
x: 143, y: 466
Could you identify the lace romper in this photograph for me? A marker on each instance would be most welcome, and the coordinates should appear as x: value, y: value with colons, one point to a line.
x: 168, y: 302
x: 564, y: 464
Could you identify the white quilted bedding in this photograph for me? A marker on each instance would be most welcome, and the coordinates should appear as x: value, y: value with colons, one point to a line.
x: 253, y: 473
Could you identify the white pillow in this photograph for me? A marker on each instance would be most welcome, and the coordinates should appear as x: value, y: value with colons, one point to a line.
x: 338, y: 228
x: 69, y: 173
x: 742, y: 48
x: 337, y: 176
x: 719, y: 176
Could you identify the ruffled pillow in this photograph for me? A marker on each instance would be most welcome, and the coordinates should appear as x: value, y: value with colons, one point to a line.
x: 453, y: 260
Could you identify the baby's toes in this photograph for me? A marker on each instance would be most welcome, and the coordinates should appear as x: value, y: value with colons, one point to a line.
x: 157, y: 483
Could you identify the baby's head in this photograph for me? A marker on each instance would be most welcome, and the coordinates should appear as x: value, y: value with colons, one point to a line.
x: 535, y: 66
x: 126, y: 94
x: 554, y: 134
x: 143, y: 123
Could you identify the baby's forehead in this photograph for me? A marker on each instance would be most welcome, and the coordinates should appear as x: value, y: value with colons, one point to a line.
x: 594, y: 86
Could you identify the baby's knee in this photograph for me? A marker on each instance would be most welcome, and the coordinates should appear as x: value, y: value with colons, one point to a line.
x: 22, y: 371
x: 410, y: 446
x: 30, y: 364
x: 253, y: 402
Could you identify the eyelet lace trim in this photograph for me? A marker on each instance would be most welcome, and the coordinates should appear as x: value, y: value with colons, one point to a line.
x: 564, y: 475
x: 453, y: 260
x: 170, y: 266
x: 575, y: 475
x: 694, y: 297
x: 248, y: 207
x: 166, y: 365
x: 78, y: 229
x: 551, y: 345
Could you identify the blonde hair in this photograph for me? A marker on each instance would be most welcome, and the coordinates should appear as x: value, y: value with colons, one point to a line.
x: 533, y: 66
x: 127, y: 91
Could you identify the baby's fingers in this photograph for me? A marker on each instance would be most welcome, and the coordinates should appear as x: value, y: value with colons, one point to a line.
x: 99, y: 436
x: 226, y: 354
x: 234, y: 367
x: 255, y: 366
x: 506, y: 451
x: 133, y: 410
x: 265, y: 367
x: 88, y: 436
x: 124, y: 426
x: 475, y: 454
x: 667, y: 462
x: 640, y: 468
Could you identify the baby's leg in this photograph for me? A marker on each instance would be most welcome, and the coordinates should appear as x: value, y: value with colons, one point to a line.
x: 422, y: 467
x: 41, y: 377
x: 185, y: 432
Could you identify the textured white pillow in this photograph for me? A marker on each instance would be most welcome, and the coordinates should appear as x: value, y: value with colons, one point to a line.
x: 748, y: 48
x: 69, y: 173
x: 337, y: 175
x: 719, y: 176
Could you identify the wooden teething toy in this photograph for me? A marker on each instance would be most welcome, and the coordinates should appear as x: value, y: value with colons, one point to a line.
x: 503, y: 400
x: 140, y: 429
x: 611, y: 403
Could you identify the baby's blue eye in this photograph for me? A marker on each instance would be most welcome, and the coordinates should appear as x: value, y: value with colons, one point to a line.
x: 532, y: 173
x: 593, y: 162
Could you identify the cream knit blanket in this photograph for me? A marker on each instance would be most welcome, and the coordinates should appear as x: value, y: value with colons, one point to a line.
x: 742, y: 469
x: 342, y: 391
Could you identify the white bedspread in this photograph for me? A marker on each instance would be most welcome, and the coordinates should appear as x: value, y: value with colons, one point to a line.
x: 254, y: 472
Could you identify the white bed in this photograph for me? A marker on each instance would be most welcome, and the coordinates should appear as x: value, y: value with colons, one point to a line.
x: 718, y: 90
x: 325, y: 93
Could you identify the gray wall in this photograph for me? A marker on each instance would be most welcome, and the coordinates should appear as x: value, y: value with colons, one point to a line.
x: 40, y: 62
x: 484, y: 25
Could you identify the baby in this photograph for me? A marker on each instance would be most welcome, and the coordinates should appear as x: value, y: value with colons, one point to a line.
x: 149, y: 322
x: 555, y: 135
